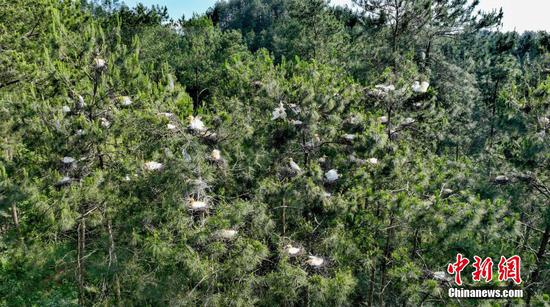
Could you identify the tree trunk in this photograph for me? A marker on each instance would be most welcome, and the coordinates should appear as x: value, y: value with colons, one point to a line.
x: 493, y: 113
x: 385, y: 259
x: 113, y: 260
x: 389, y: 122
x: 540, y: 255
x: 371, y: 290
x: 15, y: 216
x: 81, y: 246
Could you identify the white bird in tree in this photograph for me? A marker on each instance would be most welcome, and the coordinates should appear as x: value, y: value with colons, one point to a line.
x: 125, y: 101
x: 501, y: 179
x: 441, y: 275
x: 216, y: 155
x: 196, y: 124
x: 385, y: 88
x: 373, y: 161
x: 99, y: 63
x: 166, y: 114
x: 294, y: 166
x: 197, y: 205
x: 153, y: 166
x: 105, y: 122
x: 349, y: 137
x: 81, y: 104
x: 64, y: 181
x: 279, y: 112
x: 332, y: 175
x: 408, y: 121
x: 315, y: 261
x: 292, y: 250
x: 68, y: 160
x: 227, y: 234
x: 419, y: 87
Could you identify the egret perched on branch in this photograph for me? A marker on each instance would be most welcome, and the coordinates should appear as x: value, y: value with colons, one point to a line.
x: 81, y: 104
x: 418, y: 87
x: 292, y: 250
x: 216, y: 155
x: 68, y: 160
x: 349, y: 137
x: 501, y: 179
x: 385, y: 88
x: 279, y: 112
x: 197, y: 205
x: 332, y: 175
x: 315, y: 261
x: 294, y: 166
x: 196, y: 124
x: 125, y: 101
x: 99, y: 64
x: 105, y: 123
x: 227, y: 234
x: 153, y: 166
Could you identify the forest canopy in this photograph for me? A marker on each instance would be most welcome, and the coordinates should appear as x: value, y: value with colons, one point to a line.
x: 270, y: 153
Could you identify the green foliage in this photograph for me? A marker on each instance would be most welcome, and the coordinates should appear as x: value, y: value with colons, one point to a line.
x: 147, y: 162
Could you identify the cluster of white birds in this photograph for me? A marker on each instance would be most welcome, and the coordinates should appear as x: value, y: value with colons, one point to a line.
x: 330, y: 176
x: 68, y: 162
x: 417, y: 87
x: 294, y: 251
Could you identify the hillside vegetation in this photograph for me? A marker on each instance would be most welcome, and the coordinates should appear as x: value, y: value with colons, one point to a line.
x: 269, y: 153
